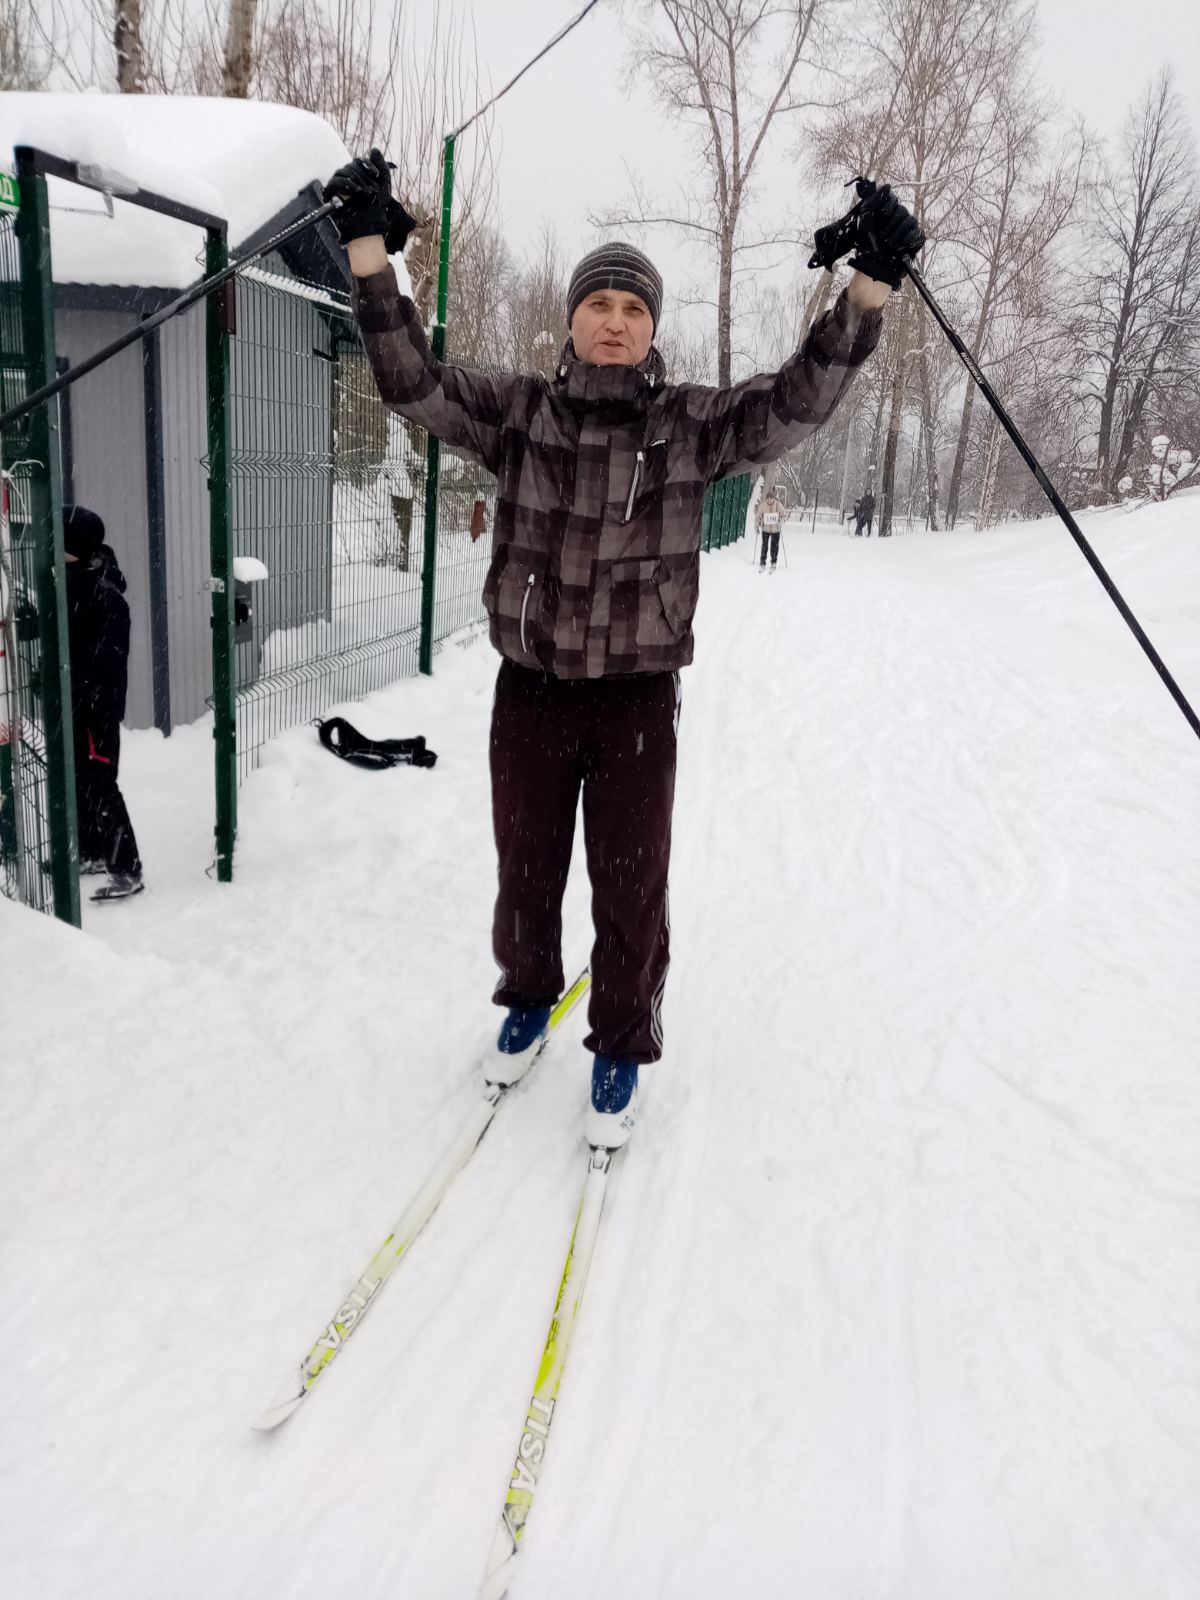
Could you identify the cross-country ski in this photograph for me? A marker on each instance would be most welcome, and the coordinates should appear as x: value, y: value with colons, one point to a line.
x: 361, y: 1296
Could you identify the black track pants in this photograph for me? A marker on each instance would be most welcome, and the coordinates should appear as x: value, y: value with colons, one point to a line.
x: 770, y: 537
x: 105, y: 831
x: 614, y: 738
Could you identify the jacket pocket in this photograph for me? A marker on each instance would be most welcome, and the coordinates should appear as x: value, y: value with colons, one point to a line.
x: 639, y: 618
x: 514, y: 596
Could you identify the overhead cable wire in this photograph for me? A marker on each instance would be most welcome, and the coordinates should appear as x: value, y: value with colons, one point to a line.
x: 544, y: 51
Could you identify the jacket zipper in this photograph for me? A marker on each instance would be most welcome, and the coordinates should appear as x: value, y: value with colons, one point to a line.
x: 524, y: 609
x: 637, y: 474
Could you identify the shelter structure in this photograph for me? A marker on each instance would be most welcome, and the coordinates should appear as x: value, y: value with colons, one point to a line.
x: 132, y: 434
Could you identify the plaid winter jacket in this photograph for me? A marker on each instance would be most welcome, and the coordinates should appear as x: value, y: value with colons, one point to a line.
x: 595, y: 566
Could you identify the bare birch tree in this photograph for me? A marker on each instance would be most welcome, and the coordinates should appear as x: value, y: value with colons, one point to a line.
x: 24, y: 62
x: 728, y: 68
x: 930, y: 82
x: 536, y: 308
x: 127, y: 43
x: 1144, y: 293
x: 239, y: 48
x: 1012, y: 225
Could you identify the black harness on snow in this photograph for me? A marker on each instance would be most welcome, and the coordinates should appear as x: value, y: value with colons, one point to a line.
x: 344, y: 740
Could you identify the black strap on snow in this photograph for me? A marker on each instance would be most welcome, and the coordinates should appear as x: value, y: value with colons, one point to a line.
x: 344, y: 740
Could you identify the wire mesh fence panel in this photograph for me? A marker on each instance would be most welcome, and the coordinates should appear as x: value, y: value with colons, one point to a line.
x: 327, y: 490
x: 466, y: 509
x: 25, y: 843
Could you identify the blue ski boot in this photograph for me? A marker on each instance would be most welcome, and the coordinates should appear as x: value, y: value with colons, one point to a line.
x: 613, y: 1111
x: 519, y: 1044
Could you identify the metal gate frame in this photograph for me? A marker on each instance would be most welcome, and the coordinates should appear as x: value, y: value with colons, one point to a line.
x: 39, y: 450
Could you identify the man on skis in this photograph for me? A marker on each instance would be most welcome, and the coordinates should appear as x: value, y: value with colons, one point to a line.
x: 768, y: 518
x: 591, y: 592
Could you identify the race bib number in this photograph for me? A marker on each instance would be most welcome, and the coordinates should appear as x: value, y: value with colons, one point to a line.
x: 771, y: 520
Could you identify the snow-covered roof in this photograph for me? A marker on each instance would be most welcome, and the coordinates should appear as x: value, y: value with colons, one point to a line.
x: 239, y: 159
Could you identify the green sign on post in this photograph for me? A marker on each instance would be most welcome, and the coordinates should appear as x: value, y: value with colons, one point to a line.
x: 10, y: 195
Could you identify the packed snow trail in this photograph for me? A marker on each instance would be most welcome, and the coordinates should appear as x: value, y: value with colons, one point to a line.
x: 897, y: 1294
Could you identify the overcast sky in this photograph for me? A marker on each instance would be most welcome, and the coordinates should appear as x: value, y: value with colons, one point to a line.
x: 569, y: 127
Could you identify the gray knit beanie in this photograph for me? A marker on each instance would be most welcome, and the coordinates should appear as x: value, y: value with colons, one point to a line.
x: 616, y: 266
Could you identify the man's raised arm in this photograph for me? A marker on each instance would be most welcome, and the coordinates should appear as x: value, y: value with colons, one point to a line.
x: 462, y: 408
x: 758, y: 421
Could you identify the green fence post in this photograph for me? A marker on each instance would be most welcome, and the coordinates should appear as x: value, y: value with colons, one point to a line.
x: 433, y: 459
x: 218, y: 325
x: 45, y: 497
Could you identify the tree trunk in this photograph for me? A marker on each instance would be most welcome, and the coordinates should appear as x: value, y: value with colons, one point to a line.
x: 817, y: 301
x: 846, y: 473
x: 876, y: 436
x: 964, y: 425
x: 977, y: 343
x: 927, y: 429
x: 127, y: 39
x: 239, y: 52
x: 960, y: 452
x: 1102, y: 484
x: 422, y: 259
x: 915, y: 473
x: 987, y: 488
x: 725, y: 311
x: 887, y: 489
x: 1108, y: 408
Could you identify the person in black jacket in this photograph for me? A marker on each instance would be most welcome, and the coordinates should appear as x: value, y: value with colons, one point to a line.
x: 98, y: 627
x: 864, y: 512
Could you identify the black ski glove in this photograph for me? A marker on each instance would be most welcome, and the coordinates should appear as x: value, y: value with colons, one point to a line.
x: 364, y: 187
x: 886, y: 235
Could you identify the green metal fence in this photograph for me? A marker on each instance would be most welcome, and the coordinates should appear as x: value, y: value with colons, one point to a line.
x: 39, y: 857
x: 38, y: 837
x: 24, y: 797
x: 328, y: 498
x: 725, y: 507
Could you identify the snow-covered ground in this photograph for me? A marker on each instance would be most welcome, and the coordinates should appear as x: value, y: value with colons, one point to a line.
x: 899, y: 1293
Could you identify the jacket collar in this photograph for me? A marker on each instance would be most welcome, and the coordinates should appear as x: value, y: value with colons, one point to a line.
x: 615, y: 391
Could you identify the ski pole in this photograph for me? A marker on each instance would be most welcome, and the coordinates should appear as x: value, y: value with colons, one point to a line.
x: 1055, y: 499
x: 189, y: 297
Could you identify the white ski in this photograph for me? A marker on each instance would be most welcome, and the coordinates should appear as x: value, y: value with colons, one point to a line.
x: 535, y: 1433
x: 365, y: 1290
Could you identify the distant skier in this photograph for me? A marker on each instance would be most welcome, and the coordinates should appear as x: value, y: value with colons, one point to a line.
x: 591, y: 591
x: 98, y: 629
x: 768, y: 516
x: 864, y: 512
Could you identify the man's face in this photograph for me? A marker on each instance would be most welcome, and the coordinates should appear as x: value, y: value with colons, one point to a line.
x: 612, y: 328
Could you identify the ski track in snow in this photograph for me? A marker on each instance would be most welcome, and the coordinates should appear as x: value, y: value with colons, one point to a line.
x: 898, y: 1293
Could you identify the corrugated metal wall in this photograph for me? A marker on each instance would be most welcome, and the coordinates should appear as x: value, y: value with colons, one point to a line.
x: 108, y: 451
x: 281, y: 491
